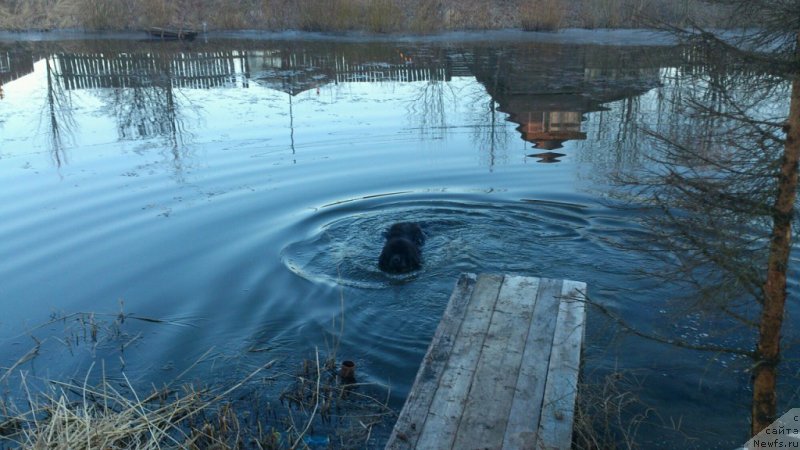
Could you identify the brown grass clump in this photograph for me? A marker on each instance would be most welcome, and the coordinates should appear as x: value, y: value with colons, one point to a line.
x: 21, y: 15
x: 326, y: 15
x: 608, y: 414
x: 156, y: 13
x: 427, y: 17
x: 542, y: 15
x: 378, y: 16
x: 345, y: 412
x: 603, y: 13
x: 383, y: 16
x: 78, y: 416
x: 647, y: 13
x: 112, y: 414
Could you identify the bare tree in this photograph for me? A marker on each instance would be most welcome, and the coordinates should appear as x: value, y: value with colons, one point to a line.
x: 777, y: 42
x: 765, y: 372
x: 728, y: 189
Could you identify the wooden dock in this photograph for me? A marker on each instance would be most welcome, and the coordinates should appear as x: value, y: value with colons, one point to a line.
x: 502, y: 369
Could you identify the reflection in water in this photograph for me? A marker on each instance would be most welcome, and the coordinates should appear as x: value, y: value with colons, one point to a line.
x: 713, y: 184
x: 220, y: 258
x: 712, y: 179
x: 547, y: 157
x: 143, y: 89
x: 429, y: 106
x: 545, y: 90
x: 14, y: 64
x: 58, y: 112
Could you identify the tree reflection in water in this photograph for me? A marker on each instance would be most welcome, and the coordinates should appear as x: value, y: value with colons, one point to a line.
x: 143, y: 89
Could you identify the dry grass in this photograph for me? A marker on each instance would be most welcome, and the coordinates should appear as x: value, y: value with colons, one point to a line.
x: 108, y: 413
x: 327, y: 15
x: 112, y: 414
x: 608, y: 414
x: 346, y: 413
x: 605, y: 13
x: 379, y: 16
x: 342, y: 410
x: 647, y: 13
x: 79, y: 416
x: 542, y: 15
x: 19, y: 14
x: 156, y: 13
x: 75, y: 416
x: 383, y: 16
x: 428, y: 17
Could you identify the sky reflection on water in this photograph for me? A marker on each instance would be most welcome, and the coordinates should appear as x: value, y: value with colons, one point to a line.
x: 239, y: 189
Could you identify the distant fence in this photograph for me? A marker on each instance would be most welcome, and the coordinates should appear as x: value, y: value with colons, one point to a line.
x: 181, y: 70
x: 352, y: 74
x: 216, y: 69
x: 14, y: 65
x: 5, y: 62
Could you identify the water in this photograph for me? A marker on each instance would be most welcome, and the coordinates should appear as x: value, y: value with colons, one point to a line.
x: 237, y: 189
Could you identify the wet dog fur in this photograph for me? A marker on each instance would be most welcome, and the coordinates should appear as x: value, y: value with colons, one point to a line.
x: 401, y: 253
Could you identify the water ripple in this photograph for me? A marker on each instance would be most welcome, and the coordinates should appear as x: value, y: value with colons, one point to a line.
x: 464, y: 233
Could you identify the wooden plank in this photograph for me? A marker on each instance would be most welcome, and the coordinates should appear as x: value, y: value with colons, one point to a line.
x: 412, y: 417
x: 502, y: 369
x: 525, y: 410
x: 558, y: 406
x: 483, y: 422
x: 449, y: 399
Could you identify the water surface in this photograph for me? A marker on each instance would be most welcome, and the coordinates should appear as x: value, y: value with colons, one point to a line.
x: 238, y: 189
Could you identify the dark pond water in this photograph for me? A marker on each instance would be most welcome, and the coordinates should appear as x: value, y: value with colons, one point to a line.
x: 238, y: 188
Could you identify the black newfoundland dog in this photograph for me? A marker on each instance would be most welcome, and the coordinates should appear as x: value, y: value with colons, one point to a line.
x: 401, y: 253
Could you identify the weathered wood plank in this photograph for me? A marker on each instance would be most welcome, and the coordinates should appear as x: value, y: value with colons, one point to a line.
x: 502, y: 369
x: 558, y: 405
x: 525, y: 410
x: 442, y: 421
x: 415, y: 410
x: 483, y: 422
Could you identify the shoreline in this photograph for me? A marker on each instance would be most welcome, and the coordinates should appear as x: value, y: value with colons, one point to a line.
x: 599, y: 36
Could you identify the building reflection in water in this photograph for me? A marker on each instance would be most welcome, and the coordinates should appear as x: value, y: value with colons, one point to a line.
x: 544, y: 89
x: 14, y: 64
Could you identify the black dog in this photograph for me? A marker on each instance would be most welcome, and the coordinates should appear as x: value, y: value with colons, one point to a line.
x: 401, y: 253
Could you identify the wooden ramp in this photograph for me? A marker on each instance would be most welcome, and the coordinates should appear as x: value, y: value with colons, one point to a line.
x: 502, y: 369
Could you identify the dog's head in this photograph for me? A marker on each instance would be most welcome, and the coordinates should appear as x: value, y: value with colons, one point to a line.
x: 400, y: 255
x: 409, y: 230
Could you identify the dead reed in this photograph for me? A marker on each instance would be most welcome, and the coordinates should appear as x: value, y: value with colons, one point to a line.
x: 112, y: 413
x: 542, y: 15
x: 78, y: 415
x: 378, y: 16
x: 72, y: 415
x: 608, y: 413
x: 383, y: 16
x: 322, y: 403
